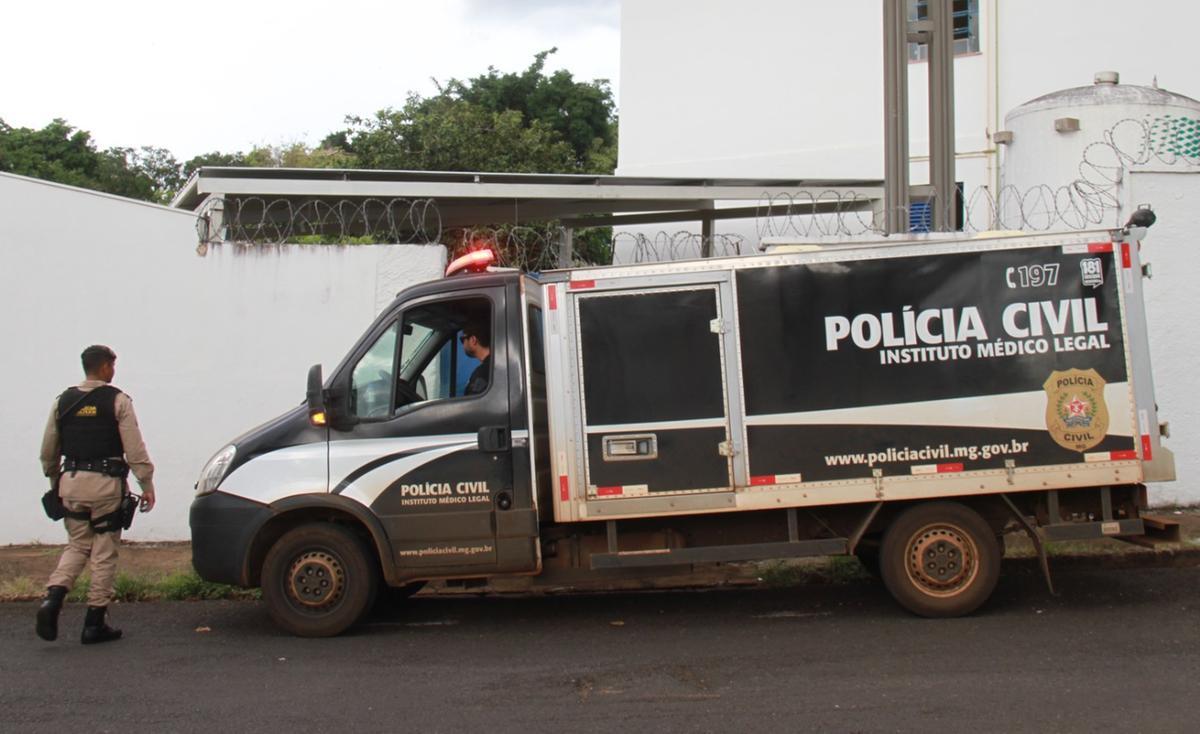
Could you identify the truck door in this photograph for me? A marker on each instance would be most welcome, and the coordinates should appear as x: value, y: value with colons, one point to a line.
x: 655, y: 406
x: 428, y: 440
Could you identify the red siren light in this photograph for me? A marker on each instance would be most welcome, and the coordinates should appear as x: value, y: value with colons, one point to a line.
x: 472, y: 262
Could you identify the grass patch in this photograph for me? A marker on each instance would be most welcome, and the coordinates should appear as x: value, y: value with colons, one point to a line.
x: 22, y: 587
x: 780, y: 574
x: 182, y: 586
x: 188, y: 586
x: 830, y: 570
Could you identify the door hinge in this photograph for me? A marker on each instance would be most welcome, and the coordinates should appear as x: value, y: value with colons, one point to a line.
x: 716, y: 326
x: 725, y: 448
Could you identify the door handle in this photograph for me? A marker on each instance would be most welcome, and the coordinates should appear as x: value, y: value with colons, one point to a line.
x: 630, y: 447
x: 493, y: 439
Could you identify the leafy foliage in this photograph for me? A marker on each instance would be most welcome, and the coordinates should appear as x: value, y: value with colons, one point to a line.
x: 61, y: 153
x: 581, y: 113
x: 442, y: 134
x: 526, y: 122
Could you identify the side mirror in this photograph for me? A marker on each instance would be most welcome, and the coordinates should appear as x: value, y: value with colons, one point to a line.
x: 315, y: 397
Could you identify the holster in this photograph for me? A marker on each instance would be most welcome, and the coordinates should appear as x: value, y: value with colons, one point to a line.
x: 120, y: 518
x: 55, y: 510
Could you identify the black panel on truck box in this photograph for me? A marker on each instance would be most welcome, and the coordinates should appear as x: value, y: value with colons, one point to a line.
x: 651, y: 357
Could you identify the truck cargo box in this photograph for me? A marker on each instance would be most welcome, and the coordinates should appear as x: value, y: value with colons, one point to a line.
x: 852, y: 373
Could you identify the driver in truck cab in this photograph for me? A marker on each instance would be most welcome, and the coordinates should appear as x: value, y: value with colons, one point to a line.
x: 478, y: 345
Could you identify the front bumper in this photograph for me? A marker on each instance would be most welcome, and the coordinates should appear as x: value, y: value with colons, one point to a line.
x: 223, y: 529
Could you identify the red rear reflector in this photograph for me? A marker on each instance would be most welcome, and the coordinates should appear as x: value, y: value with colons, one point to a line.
x: 1123, y: 455
x: 552, y: 297
x: 577, y: 285
x: 1146, y: 451
x: 609, y: 491
x: 949, y: 468
x: 1100, y: 247
x: 1126, y: 259
x: 762, y: 479
x: 564, y: 488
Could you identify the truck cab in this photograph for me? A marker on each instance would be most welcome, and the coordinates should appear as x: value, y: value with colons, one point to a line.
x: 394, y: 470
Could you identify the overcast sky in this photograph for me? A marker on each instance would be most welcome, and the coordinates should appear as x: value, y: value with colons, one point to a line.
x: 227, y: 75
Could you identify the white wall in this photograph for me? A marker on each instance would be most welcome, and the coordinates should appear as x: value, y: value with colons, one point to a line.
x: 770, y: 88
x: 1047, y: 46
x: 709, y: 88
x: 208, y: 346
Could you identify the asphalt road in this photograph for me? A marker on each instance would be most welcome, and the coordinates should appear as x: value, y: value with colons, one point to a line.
x: 1118, y: 650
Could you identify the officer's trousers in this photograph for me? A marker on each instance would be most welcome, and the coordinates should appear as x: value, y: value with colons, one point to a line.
x: 98, y: 495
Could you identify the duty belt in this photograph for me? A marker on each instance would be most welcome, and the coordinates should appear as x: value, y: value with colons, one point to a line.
x: 110, y: 467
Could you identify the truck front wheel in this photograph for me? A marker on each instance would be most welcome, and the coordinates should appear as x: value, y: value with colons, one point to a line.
x: 940, y: 559
x: 318, y: 580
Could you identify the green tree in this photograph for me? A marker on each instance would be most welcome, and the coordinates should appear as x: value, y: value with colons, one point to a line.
x: 284, y: 155
x: 522, y: 122
x: 444, y: 134
x: 61, y: 153
x: 527, y: 122
x: 159, y: 167
x: 581, y: 113
x: 214, y: 158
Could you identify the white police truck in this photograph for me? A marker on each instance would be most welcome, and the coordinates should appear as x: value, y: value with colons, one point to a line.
x: 907, y: 402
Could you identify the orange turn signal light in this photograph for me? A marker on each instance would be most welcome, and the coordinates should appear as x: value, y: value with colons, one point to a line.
x: 317, y: 418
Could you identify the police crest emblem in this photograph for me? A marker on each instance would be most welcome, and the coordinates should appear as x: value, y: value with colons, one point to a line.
x: 1076, y: 414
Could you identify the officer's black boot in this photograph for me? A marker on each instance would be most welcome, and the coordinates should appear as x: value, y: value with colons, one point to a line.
x: 95, y: 629
x: 47, y: 617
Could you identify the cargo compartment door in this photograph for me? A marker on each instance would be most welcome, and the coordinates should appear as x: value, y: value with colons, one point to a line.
x: 655, y: 411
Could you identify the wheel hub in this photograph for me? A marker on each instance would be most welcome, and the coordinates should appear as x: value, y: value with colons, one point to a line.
x: 942, y: 560
x: 316, y: 579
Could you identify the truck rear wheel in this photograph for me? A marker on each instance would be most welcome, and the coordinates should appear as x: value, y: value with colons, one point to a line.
x: 940, y: 559
x: 318, y: 580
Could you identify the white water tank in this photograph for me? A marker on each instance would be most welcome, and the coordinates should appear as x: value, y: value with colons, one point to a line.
x: 1065, y: 153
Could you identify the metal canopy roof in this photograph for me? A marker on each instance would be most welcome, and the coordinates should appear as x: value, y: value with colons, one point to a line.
x: 471, y: 199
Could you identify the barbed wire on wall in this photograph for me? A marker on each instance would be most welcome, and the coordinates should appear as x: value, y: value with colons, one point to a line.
x: 1092, y: 200
x: 262, y: 221
x: 632, y: 247
x: 838, y: 213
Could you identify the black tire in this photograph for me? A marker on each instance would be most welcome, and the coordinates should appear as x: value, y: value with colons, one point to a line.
x: 940, y: 559
x: 318, y: 580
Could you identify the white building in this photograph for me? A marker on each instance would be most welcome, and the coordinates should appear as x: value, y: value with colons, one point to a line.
x: 795, y: 89
x: 210, y: 341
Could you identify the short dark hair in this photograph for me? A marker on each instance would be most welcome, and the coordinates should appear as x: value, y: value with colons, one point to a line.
x: 478, y: 330
x: 95, y: 357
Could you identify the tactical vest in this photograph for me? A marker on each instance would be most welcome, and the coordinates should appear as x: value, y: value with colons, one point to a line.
x: 89, y: 430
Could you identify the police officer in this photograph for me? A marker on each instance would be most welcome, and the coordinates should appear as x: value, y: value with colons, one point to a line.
x: 90, y: 445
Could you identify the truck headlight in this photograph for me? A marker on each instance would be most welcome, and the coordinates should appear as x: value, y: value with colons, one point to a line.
x: 214, y: 471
